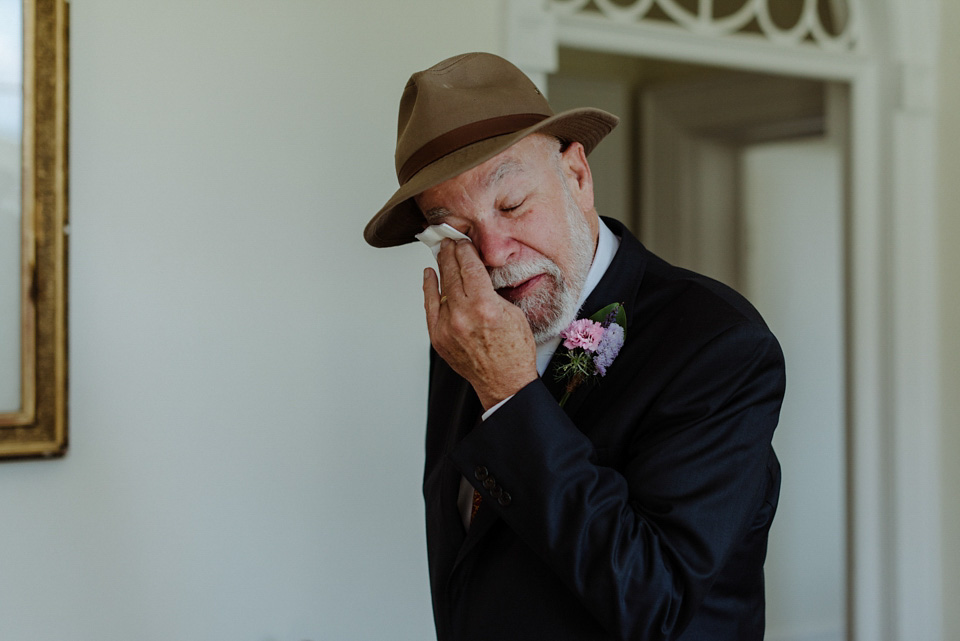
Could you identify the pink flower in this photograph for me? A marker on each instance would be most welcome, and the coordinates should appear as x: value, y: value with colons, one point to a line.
x: 583, y: 333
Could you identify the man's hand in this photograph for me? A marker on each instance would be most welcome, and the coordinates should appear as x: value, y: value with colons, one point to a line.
x: 484, y: 338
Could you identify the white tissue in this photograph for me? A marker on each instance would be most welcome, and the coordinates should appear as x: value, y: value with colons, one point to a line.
x: 433, y: 235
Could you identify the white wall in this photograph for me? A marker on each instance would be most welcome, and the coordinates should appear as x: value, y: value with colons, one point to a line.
x: 949, y: 172
x: 247, y: 377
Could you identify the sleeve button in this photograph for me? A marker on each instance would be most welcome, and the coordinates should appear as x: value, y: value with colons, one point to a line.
x: 489, y: 482
x: 480, y: 472
x: 504, y: 499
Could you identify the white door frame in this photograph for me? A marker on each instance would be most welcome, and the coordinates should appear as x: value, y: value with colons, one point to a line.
x: 891, y: 256
x: 696, y: 130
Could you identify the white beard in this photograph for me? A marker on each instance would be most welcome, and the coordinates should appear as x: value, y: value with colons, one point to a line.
x: 551, y: 309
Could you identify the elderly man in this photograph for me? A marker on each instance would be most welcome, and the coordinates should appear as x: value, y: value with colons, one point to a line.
x: 596, y: 478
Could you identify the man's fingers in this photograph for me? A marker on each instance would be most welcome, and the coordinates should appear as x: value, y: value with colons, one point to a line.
x: 450, y: 278
x: 431, y: 299
x: 475, y: 281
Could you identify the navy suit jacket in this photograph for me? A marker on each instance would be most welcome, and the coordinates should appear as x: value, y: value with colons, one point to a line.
x: 641, y: 509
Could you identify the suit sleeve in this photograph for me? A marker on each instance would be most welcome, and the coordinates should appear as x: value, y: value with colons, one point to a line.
x: 639, y: 544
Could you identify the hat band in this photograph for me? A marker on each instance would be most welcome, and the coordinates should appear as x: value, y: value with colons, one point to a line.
x: 461, y: 137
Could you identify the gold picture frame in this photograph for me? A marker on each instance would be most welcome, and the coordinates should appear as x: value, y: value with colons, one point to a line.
x: 39, y: 427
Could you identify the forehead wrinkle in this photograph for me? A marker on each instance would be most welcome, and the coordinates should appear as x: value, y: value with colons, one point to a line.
x: 507, y: 167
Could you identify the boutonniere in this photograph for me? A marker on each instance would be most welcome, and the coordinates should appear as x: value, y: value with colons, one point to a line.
x: 592, y: 344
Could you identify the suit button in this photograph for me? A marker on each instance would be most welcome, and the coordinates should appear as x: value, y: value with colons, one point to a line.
x: 496, y: 492
x: 489, y: 482
x: 504, y: 499
x: 480, y: 472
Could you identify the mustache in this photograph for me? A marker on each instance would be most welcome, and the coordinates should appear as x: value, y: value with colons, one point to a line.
x: 513, y: 274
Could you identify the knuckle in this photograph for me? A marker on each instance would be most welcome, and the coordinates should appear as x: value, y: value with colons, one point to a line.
x: 459, y: 323
x: 488, y: 312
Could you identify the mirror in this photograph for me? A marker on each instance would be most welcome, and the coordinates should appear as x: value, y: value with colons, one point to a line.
x: 11, y: 130
x: 33, y: 210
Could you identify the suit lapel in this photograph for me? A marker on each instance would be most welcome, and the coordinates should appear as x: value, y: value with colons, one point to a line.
x: 620, y: 283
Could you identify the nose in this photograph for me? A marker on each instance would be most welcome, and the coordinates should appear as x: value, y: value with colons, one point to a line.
x: 495, y: 244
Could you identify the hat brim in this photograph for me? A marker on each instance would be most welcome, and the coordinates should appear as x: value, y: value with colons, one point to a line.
x: 400, y: 218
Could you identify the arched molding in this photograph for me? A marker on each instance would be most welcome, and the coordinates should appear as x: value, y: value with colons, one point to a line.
x: 888, y: 59
x: 752, y: 19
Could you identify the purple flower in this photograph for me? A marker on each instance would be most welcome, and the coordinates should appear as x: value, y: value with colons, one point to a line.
x: 583, y: 333
x: 608, y: 348
x: 591, y: 346
x: 612, y: 315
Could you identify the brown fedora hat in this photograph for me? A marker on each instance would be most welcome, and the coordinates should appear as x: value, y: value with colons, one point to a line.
x: 458, y: 114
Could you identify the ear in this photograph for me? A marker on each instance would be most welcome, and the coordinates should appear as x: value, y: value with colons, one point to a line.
x: 576, y: 170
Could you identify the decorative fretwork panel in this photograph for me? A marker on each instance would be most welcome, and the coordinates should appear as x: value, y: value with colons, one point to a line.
x: 826, y: 24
